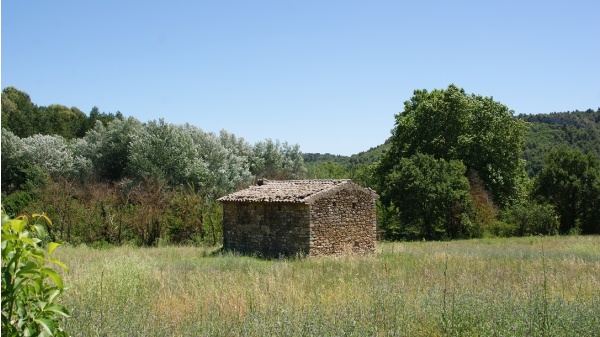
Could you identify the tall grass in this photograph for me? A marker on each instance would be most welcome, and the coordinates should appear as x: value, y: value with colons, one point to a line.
x: 487, y: 287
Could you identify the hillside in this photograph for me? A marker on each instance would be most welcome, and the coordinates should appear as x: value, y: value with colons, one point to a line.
x: 577, y: 130
x: 369, y: 156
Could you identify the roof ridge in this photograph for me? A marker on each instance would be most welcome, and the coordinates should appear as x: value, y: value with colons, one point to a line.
x: 299, y: 191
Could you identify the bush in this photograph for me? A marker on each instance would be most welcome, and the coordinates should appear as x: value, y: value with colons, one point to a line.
x: 29, y: 305
x: 501, y: 229
x: 532, y: 218
x: 16, y: 202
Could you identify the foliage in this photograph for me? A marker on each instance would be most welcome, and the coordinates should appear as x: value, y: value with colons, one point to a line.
x: 576, y: 130
x: 570, y: 181
x: 164, y: 151
x: 276, y: 160
x: 13, y: 162
x: 326, y: 170
x: 225, y: 160
x: 108, y: 146
x: 193, y: 219
x: 452, y: 125
x: 431, y: 196
x: 22, y: 117
x: 474, y: 131
x: 371, y: 156
x: 55, y: 155
x: 142, y: 212
x: 30, y: 288
x: 104, y: 118
x: 61, y: 120
x: 529, y: 218
x: 483, y: 211
x: 91, y: 174
x: 151, y: 199
x: 19, y: 113
x: 357, y: 167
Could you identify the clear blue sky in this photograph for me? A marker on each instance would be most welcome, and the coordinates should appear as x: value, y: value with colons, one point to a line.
x: 327, y: 75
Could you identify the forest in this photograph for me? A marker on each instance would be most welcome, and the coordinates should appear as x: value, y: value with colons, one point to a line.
x: 457, y: 165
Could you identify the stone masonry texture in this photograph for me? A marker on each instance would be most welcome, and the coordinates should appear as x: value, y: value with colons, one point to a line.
x: 300, y: 217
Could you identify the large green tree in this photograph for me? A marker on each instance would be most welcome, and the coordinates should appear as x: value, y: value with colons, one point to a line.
x: 570, y: 181
x: 430, y: 197
x: 450, y: 124
x: 60, y: 120
x: 19, y: 114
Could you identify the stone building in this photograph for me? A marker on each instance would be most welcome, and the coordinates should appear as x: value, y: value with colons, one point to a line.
x: 300, y: 217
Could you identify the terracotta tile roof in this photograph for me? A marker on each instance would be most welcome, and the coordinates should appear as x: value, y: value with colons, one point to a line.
x: 299, y: 191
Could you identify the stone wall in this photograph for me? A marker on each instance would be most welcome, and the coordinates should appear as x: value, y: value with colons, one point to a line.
x: 343, y: 222
x: 339, y: 221
x: 268, y: 228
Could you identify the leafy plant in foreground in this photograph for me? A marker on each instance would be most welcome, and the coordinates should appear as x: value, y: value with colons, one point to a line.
x: 29, y: 305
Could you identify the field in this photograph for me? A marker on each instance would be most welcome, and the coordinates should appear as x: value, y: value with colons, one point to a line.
x: 534, y: 286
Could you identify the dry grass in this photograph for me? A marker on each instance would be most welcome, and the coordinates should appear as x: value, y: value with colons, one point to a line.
x: 491, y: 287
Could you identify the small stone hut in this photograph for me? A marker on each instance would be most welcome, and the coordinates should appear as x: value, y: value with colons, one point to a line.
x: 300, y: 217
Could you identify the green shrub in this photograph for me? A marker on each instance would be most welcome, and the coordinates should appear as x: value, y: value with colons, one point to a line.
x: 29, y: 287
x: 16, y: 202
x: 532, y: 218
x: 501, y: 229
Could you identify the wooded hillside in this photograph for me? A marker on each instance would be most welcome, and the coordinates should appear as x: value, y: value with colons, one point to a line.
x: 576, y: 130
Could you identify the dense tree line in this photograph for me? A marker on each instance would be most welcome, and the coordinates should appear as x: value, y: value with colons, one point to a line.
x: 124, y: 180
x: 460, y: 165
x: 24, y: 118
x: 454, y: 170
x: 457, y: 165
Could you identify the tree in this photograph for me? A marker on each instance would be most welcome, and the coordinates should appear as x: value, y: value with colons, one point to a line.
x: 430, y: 197
x: 224, y: 159
x: 60, y: 120
x: 326, y: 170
x: 13, y: 162
x: 95, y: 115
x: 108, y: 147
x: 276, y: 160
x: 52, y: 153
x: 449, y: 124
x: 570, y: 181
x: 165, y: 152
x: 20, y: 116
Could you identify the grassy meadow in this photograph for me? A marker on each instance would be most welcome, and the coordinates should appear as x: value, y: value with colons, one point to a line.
x: 533, y: 286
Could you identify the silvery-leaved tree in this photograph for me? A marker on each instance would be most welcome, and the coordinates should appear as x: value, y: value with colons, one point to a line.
x: 108, y: 147
x: 224, y: 159
x: 55, y: 155
x: 164, y: 151
x: 276, y: 160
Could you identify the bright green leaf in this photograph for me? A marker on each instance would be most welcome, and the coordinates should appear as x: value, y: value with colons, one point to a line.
x: 54, y: 276
x: 18, y: 225
x: 53, y: 295
x: 47, y: 324
x: 52, y: 246
x: 60, y: 264
x: 40, y: 229
x: 59, y: 309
